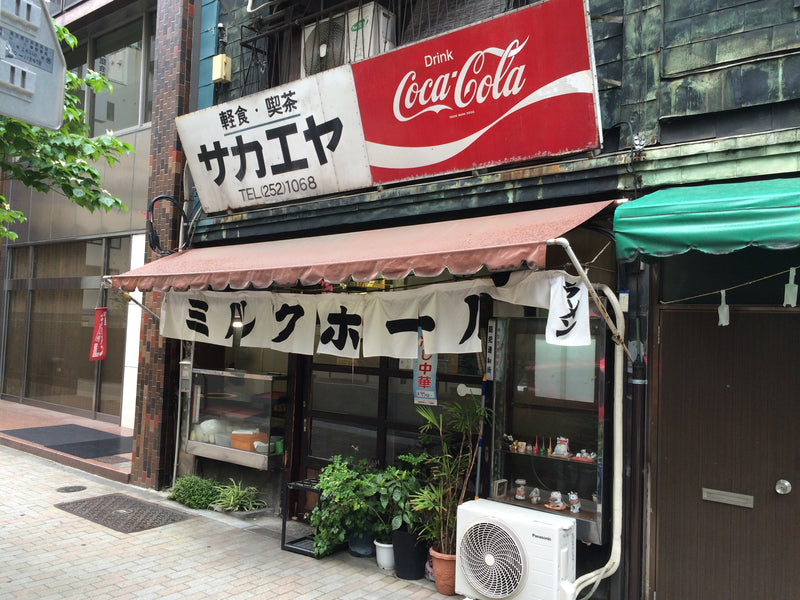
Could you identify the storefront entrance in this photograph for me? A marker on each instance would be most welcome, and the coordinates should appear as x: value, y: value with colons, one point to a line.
x: 727, y: 414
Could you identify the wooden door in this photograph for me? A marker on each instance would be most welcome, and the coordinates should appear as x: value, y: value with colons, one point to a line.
x: 728, y: 418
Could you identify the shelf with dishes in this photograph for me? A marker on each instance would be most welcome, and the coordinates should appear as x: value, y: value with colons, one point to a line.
x: 231, y: 418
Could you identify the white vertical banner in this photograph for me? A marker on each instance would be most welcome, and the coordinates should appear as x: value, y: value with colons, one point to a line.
x: 294, y: 323
x: 391, y: 324
x: 568, y: 319
x: 424, y: 383
x: 341, y: 325
x: 454, y: 310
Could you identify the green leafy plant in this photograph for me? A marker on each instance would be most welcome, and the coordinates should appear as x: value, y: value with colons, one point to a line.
x: 390, y: 503
x: 455, y: 430
x: 236, y: 497
x: 342, y: 510
x: 194, y: 491
x: 62, y: 160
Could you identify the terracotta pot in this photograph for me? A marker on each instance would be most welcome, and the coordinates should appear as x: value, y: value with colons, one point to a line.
x: 444, y: 572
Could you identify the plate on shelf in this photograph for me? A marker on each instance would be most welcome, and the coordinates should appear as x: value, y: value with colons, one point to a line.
x: 584, y: 459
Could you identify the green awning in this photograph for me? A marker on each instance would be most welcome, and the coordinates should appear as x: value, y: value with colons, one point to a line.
x: 715, y: 219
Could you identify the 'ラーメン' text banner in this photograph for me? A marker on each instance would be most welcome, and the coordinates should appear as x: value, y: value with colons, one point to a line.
x: 378, y: 323
x: 513, y: 88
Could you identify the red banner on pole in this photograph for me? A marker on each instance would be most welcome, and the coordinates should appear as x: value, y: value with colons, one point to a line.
x: 98, y: 351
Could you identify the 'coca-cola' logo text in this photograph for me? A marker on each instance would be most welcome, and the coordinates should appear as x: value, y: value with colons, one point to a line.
x: 473, y: 83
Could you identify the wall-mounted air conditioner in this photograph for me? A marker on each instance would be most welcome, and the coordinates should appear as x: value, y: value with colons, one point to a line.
x: 505, y: 551
x: 347, y: 37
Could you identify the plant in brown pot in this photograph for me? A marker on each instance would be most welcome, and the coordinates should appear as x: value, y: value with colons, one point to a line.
x: 455, y: 430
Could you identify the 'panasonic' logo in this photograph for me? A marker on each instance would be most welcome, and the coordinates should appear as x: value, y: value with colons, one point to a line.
x: 541, y: 537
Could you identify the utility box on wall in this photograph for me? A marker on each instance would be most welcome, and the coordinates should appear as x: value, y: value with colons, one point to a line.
x: 221, y: 69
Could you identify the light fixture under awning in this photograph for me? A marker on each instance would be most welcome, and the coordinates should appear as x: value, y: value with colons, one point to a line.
x: 462, y: 247
x: 715, y: 219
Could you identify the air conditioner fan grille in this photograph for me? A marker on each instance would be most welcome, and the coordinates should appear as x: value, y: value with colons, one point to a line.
x: 326, y: 45
x: 492, y: 560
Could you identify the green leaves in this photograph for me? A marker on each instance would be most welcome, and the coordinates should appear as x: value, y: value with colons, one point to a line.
x: 236, y: 497
x: 193, y: 491
x: 42, y: 159
x: 456, y: 429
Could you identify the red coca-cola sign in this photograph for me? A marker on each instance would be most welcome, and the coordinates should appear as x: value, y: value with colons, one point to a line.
x: 514, y: 88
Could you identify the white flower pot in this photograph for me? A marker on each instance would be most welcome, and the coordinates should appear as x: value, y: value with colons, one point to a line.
x: 384, y: 555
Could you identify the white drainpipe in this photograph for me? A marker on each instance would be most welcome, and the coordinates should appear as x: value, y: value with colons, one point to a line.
x: 618, y: 331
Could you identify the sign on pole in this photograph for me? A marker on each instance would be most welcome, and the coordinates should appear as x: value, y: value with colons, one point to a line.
x: 32, y: 67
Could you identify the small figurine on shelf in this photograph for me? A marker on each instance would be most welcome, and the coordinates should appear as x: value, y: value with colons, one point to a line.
x: 536, y: 446
x: 550, y: 446
x: 556, y: 501
x: 508, y: 441
x: 520, y: 493
x: 574, y: 502
x: 536, y: 496
x: 562, y: 447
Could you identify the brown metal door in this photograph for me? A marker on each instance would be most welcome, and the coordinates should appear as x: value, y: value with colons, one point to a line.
x: 727, y: 428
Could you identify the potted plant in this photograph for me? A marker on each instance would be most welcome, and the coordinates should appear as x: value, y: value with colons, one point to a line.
x: 389, y: 493
x: 342, y: 515
x: 240, y: 500
x: 455, y: 431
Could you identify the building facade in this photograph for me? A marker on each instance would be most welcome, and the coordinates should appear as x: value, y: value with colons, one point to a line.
x: 697, y: 128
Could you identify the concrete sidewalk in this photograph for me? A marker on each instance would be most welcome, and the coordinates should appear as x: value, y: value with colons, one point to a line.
x: 48, y: 553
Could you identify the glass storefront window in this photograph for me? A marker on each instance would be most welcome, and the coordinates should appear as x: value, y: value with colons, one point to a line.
x: 73, y: 259
x: 345, y: 393
x: 76, y: 64
x: 400, y: 442
x: 15, y: 343
x: 119, y: 255
x: 113, y: 365
x: 57, y: 371
x: 119, y: 59
x: 20, y: 263
x: 329, y: 438
x: 49, y: 337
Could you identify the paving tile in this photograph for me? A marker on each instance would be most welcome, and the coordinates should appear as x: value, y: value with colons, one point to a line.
x: 51, y: 554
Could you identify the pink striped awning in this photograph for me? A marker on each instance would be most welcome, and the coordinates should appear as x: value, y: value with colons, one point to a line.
x: 462, y: 247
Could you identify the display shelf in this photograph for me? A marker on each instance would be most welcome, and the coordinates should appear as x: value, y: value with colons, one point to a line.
x: 231, y: 418
x: 553, y: 397
x: 587, y: 519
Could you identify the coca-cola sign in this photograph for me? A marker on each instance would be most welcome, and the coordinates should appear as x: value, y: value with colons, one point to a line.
x: 514, y: 88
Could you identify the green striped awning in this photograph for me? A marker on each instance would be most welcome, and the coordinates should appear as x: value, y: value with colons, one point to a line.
x: 715, y: 219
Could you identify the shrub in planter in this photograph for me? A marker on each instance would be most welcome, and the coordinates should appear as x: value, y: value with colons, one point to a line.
x: 194, y: 491
x: 342, y: 510
x: 236, y: 497
x: 390, y: 491
x: 456, y: 430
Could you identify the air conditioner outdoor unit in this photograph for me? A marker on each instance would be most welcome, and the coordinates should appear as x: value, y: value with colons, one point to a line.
x: 347, y: 37
x: 505, y: 551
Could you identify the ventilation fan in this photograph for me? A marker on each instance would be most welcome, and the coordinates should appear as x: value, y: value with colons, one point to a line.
x: 347, y: 37
x: 325, y: 45
x: 505, y: 551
